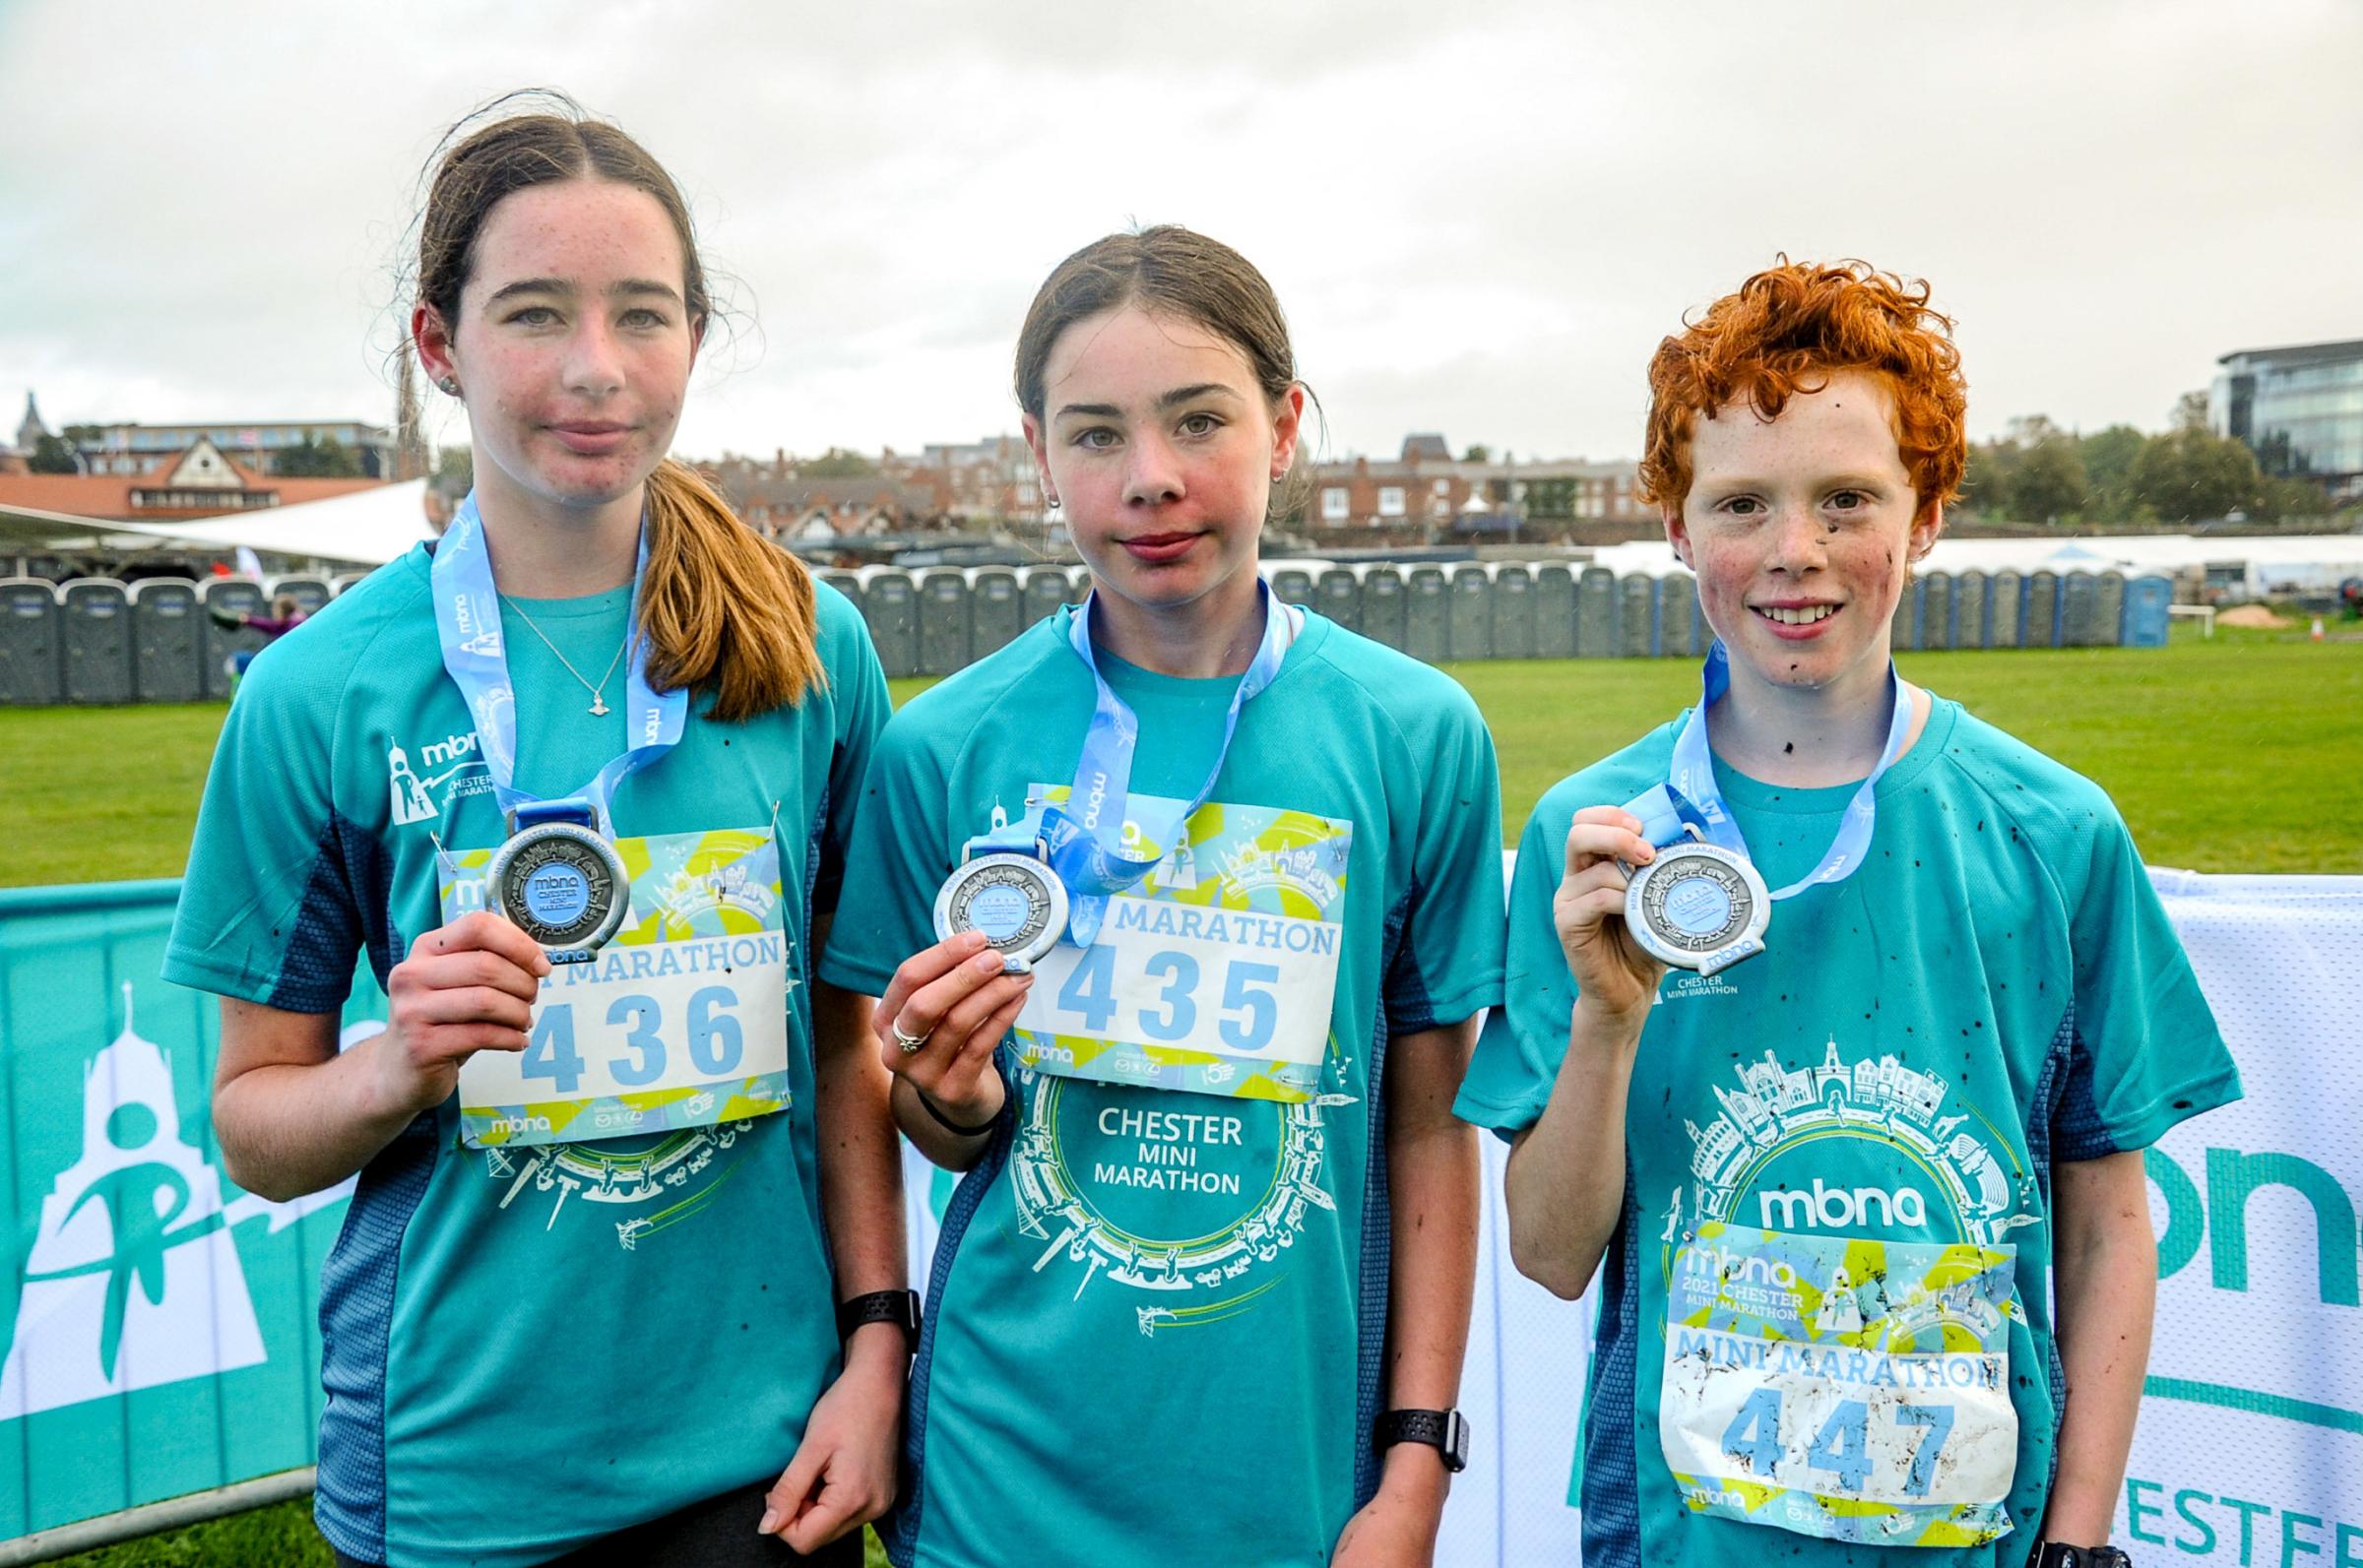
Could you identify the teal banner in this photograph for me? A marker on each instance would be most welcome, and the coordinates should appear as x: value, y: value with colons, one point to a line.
x: 162, y: 1329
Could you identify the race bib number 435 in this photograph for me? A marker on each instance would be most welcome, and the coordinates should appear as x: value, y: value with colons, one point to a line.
x: 681, y: 1020
x: 1849, y: 1388
x: 1216, y: 975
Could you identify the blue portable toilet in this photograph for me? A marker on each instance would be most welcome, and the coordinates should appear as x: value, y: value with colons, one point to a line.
x: 2146, y: 611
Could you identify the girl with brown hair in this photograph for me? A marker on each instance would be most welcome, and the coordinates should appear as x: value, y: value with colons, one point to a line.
x: 578, y: 780
x: 1220, y: 906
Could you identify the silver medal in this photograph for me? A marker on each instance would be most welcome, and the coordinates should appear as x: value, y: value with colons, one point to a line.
x: 1013, y: 899
x: 564, y: 885
x: 1698, y: 907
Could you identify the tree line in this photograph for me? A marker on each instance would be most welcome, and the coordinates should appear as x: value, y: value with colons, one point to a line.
x: 2038, y: 473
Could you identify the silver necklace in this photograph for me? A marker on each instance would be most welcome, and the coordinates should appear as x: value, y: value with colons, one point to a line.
x: 599, y: 699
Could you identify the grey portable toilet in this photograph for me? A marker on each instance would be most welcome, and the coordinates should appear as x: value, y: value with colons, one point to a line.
x: 1044, y: 590
x: 1677, y: 621
x: 2108, y: 616
x: 2146, y: 616
x: 2039, y: 621
x: 1969, y: 610
x: 890, y: 604
x: 1384, y: 600
x: 168, y: 639
x: 2005, y: 608
x: 943, y: 645
x: 309, y: 593
x: 1554, y: 612
x: 1936, y: 610
x: 995, y: 612
x: 1514, y: 610
x: 1338, y: 593
x: 338, y: 584
x: 1426, y: 613
x: 1292, y: 584
x: 32, y: 650
x: 2079, y: 609
x: 232, y: 596
x: 844, y: 582
x: 96, y: 621
x: 1470, y: 622
x: 1636, y: 615
x: 1904, y: 627
x: 1596, y: 613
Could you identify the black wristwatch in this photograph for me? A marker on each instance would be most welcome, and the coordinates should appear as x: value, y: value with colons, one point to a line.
x: 1445, y: 1432
x: 880, y: 1306
x: 2051, y: 1554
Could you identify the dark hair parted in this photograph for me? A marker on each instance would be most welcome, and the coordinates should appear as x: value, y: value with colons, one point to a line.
x: 1167, y: 269
x: 725, y: 613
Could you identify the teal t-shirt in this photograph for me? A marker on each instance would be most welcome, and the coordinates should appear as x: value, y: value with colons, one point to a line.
x: 1158, y: 1318
x: 528, y: 1348
x: 1825, y: 1320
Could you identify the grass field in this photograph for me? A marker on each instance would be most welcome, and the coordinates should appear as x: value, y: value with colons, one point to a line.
x: 2240, y: 753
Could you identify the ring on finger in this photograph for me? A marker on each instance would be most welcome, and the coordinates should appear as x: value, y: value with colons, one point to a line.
x: 908, y: 1041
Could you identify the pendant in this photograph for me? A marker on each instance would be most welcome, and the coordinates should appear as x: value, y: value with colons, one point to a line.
x: 599, y: 706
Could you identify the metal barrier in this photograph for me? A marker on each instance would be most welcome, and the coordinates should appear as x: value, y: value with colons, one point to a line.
x: 32, y: 648
x: 96, y: 617
x: 168, y: 635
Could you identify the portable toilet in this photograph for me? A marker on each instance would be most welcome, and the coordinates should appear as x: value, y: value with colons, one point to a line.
x: 31, y: 647
x: 1514, y: 609
x: 1385, y: 601
x: 943, y: 621
x: 1426, y: 614
x: 167, y: 636
x: 996, y: 612
x: 97, y: 622
x: 1554, y: 612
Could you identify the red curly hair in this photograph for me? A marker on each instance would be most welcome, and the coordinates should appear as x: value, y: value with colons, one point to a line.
x: 1786, y: 330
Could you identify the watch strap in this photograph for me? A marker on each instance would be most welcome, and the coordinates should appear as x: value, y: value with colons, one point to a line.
x: 1445, y: 1432
x: 899, y: 1307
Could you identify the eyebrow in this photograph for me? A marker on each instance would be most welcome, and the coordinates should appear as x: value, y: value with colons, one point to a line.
x: 1179, y: 395
x: 622, y: 287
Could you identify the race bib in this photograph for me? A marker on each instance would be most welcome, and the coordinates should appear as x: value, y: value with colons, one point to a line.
x: 1216, y: 975
x: 681, y: 1020
x: 1854, y: 1390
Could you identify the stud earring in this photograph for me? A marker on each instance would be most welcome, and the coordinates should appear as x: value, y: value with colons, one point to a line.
x: 449, y: 386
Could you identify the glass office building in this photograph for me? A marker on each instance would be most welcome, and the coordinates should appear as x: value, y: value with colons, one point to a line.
x: 2299, y: 410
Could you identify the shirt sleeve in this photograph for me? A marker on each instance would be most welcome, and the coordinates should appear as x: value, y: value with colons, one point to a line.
x: 863, y: 708
x: 886, y: 912
x: 267, y: 910
x: 2146, y: 1051
x: 1517, y: 1057
x: 1449, y: 964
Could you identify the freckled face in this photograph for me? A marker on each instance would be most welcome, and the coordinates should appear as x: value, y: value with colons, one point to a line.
x: 573, y: 343
x: 1162, y: 448
x: 1801, y: 529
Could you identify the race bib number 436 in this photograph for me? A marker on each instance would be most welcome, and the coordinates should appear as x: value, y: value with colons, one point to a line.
x: 1849, y: 1388
x: 1216, y: 975
x: 681, y: 1020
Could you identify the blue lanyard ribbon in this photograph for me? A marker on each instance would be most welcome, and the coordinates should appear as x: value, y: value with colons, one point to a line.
x: 1082, y: 840
x: 1690, y: 799
x: 468, y: 622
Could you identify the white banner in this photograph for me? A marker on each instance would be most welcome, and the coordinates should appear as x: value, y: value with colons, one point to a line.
x: 2249, y: 1451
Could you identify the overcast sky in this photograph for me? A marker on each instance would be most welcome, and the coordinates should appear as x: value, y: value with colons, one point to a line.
x: 1480, y: 216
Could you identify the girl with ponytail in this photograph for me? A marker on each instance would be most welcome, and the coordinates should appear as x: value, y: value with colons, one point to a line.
x: 577, y: 781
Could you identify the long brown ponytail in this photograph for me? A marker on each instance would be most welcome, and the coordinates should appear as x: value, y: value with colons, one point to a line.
x: 726, y: 613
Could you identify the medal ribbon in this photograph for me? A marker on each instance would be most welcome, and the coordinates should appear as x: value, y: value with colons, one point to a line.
x: 1690, y: 799
x: 1082, y: 841
x: 468, y: 622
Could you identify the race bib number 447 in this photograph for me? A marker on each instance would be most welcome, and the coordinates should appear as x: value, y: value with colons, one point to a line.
x: 1216, y: 975
x: 1843, y: 1388
x: 681, y: 1020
